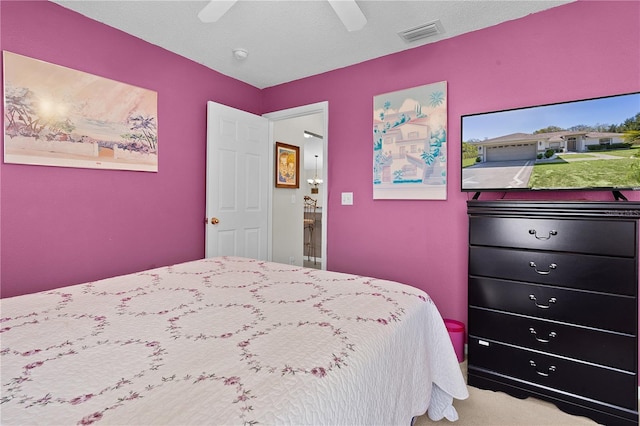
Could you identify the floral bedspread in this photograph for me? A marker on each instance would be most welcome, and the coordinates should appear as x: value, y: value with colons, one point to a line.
x: 226, y: 341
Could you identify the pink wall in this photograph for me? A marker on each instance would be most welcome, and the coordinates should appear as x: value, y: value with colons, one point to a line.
x: 580, y: 50
x: 63, y: 226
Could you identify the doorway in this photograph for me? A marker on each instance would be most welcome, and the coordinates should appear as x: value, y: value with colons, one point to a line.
x: 287, y: 230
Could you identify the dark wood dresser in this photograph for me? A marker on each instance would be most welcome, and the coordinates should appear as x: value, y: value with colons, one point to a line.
x: 553, y: 308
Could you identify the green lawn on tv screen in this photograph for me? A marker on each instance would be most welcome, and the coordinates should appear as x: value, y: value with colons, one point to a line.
x: 584, y: 171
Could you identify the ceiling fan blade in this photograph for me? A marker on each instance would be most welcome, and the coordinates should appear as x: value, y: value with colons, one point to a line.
x: 215, y: 9
x: 349, y: 13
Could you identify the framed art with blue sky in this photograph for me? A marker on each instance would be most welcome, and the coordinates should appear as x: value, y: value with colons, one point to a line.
x: 410, y: 144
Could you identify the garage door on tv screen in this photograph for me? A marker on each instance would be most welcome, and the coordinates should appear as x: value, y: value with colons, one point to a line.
x: 589, y: 144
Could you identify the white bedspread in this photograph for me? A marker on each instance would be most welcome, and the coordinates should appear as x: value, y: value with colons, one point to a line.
x: 226, y: 341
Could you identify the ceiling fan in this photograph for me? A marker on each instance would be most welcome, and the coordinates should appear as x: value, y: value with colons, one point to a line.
x: 347, y: 10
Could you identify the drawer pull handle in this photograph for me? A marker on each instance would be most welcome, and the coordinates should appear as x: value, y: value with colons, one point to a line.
x: 542, y: 237
x: 552, y: 300
x: 535, y: 335
x: 550, y: 370
x: 535, y: 268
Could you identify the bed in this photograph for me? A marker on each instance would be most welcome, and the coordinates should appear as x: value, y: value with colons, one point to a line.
x: 225, y: 341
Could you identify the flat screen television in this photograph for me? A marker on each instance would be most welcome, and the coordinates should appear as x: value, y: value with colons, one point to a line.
x: 589, y: 144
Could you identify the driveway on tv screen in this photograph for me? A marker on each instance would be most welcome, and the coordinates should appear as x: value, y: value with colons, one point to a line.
x: 498, y: 174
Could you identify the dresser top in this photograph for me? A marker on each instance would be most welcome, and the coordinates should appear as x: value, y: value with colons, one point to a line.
x: 586, y: 209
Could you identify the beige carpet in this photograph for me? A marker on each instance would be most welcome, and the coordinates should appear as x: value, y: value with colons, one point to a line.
x: 488, y: 408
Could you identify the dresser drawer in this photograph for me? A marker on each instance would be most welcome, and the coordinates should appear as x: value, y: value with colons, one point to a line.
x: 602, y: 311
x: 586, y: 380
x: 597, y: 273
x: 587, y: 344
x: 614, y: 238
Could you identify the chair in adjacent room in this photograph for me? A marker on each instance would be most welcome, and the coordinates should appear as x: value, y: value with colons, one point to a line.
x: 310, y: 206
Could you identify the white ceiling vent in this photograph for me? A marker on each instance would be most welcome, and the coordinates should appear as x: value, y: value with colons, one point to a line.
x: 429, y: 29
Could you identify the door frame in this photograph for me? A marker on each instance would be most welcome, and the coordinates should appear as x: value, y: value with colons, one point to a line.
x: 319, y: 107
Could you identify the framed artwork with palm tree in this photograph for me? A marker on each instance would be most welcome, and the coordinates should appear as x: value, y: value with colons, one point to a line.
x: 57, y: 116
x: 410, y: 143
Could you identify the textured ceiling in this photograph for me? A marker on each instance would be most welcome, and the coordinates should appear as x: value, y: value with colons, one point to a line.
x: 289, y: 40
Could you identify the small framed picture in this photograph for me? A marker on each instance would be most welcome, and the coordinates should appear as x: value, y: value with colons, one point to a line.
x: 287, y: 166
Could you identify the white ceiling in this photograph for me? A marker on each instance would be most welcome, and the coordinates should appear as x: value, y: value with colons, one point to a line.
x: 289, y: 40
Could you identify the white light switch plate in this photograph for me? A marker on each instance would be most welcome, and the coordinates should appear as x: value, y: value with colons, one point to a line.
x: 347, y: 198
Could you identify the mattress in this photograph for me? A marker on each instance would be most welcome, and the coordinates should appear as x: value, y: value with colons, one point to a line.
x: 227, y: 341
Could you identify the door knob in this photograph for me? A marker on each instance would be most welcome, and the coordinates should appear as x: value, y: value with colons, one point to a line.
x: 215, y: 221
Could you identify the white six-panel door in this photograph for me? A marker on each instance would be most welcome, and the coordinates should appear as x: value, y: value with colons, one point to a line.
x: 237, y: 211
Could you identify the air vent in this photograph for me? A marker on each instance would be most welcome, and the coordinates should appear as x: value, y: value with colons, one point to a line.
x: 421, y: 31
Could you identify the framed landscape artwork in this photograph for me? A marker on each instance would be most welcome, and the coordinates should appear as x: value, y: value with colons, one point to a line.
x: 287, y: 165
x: 57, y: 116
x: 410, y: 144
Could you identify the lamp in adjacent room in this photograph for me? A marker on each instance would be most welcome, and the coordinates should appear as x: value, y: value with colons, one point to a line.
x: 315, y: 182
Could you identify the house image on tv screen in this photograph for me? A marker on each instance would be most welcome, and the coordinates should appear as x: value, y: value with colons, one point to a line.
x: 584, y: 144
x: 524, y: 146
